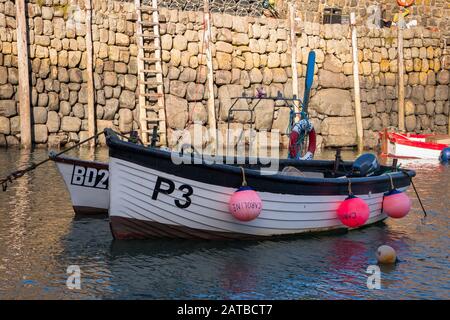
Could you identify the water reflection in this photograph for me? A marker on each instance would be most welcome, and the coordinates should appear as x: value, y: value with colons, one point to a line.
x: 40, y: 238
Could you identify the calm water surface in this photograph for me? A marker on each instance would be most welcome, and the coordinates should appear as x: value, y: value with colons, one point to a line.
x: 40, y: 238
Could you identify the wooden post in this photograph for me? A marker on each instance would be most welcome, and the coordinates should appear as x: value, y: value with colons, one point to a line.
x: 293, y: 39
x: 90, y: 74
x: 358, y: 118
x: 210, y: 83
x: 401, y: 73
x: 24, y: 75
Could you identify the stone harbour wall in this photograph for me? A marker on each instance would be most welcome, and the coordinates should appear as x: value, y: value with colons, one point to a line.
x: 248, y: 53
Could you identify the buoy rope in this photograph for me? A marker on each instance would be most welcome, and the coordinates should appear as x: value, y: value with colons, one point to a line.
x: 416, y: 192
x: 392, y: 181
x: 244, y: 181
x: 350, y: 193
x: 418, y: 197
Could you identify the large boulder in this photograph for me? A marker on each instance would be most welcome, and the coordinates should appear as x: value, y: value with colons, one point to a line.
x: 176, y: 112
x: 194, y: 92
x: 5, y: 127
x: 40, y: 133
x: 6, y: 91
x: 332, y: 63
x: 264, y: 115
x: 128, y: 99
x: 442, y: 93
x: 8, y: 108
x: 70, y: 124
x: 39, y: 115
x: 332, y: 102
x: 329, y: 79
x: 339, y: 131
x: 110, y: 109
x: 53, y: 122
x: 443, y: 77
x: 125, y: 120
x: 178, y: 88
x: 198, y: 112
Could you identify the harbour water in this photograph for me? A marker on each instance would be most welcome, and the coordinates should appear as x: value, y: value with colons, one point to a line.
x: 40, y: 238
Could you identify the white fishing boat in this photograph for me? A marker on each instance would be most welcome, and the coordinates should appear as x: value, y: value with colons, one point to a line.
x: 87, y: 183
x: 152, y: 197
x: 414, y: 146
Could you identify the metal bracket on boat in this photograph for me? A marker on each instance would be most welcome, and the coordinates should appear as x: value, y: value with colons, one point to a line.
x: 291, y: 103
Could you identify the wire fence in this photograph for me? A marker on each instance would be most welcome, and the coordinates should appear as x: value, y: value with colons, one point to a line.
x: 234, y: 7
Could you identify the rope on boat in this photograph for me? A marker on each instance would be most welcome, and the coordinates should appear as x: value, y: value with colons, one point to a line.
x: 418, y: 197
x: 244, y: 180
x: 350, y: 192
x: 415, y: 190
x: 20, y: 173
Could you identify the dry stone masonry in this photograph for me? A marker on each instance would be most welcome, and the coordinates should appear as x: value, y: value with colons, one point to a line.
x: 248, y: 53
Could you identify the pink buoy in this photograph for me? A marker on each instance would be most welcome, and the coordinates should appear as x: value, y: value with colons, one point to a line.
x: 396, y: 204
x: 245, y: 204
x: 353, y: 212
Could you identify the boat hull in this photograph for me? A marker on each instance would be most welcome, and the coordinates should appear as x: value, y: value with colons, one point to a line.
x: 135, y: 212
x: 87, y: 183
x: 413, y: 146
x: 153, y: 197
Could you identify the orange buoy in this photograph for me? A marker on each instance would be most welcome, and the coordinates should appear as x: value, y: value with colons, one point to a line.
x: 405, y: 3
x: 386, y: 255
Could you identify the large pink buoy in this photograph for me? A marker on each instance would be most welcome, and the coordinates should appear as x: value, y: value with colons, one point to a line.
x: 353, y: 212
x: 245, y: 204
x: 396, y: 204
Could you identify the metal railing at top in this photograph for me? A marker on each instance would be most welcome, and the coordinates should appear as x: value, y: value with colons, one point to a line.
x: 252, y: 8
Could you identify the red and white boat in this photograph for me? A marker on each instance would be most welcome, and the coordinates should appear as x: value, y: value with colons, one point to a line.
x: 417, y: 146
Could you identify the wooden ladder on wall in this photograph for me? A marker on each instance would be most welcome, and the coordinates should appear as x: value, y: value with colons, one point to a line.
x: 151, y: 89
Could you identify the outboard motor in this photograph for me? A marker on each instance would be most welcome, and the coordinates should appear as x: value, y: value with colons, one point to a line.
x: 366, y: 165
x: 444, y: 158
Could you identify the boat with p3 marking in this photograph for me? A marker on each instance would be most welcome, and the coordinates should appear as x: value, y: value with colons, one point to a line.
x: 152, y: 197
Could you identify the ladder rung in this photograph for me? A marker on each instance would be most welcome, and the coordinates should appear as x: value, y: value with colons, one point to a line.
x: 147, y: 8
x: 151, y: 36
x: 152, y: 48
x: 151, y: 71
x: 151, y: 83
x: 151, y: 59
x: 153, y: 120
x: 148, y: 23
x: 152, y: 95
x: 149, y: 131
x: 154, y: 108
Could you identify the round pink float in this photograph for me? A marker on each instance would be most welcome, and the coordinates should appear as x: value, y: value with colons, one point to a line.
x: 245, y: 204
x: 353, y: 212
x: 396, y: 204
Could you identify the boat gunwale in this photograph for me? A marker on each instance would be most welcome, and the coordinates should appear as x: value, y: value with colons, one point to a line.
x: 76, y: 161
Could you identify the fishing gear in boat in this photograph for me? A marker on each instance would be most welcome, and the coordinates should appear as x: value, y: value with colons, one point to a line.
x: 302, y: 129
x: 297, y: 138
